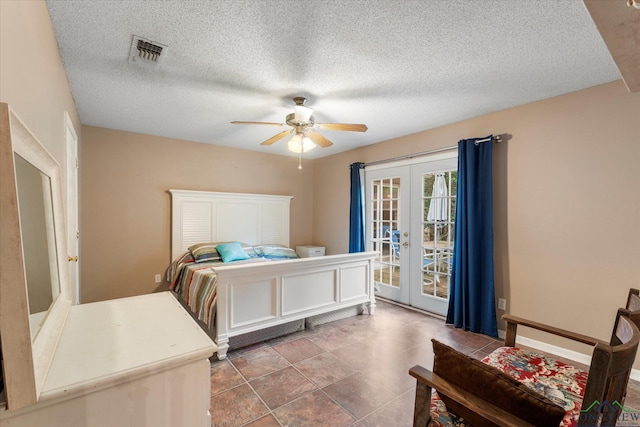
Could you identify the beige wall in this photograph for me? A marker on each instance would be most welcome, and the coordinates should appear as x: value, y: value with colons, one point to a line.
x: 33, y: 80
x: 125, y: 224
x: 567, y: 205
x: 567, y: 215
x: 566, y: 195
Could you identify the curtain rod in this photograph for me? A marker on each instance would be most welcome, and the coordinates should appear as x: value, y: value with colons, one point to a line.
x: 496, y: 138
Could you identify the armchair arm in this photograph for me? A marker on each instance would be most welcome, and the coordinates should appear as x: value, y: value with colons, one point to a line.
x: 427, y: 380
x: 514, y: 321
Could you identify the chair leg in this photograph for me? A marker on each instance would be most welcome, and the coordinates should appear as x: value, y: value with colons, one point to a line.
x: 422, y: 406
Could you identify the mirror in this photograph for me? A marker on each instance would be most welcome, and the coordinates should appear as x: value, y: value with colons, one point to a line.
x: 34, y: 288
x: 38, y: 241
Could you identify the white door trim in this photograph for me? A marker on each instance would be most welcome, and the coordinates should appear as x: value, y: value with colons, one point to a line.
x: 73, y: 236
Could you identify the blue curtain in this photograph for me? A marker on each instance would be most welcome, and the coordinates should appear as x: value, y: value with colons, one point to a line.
x: 472, y: 296
x: 356, y: 213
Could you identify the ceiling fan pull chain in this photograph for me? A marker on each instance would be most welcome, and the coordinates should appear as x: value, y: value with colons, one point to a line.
x: 300, y: 160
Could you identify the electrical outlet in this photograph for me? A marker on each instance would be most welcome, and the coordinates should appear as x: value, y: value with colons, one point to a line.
x: 502, y: 304
x: 158, y: 278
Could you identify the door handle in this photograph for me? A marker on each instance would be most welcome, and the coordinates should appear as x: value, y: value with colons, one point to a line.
x: 405, y: 244
x: 72, y: 258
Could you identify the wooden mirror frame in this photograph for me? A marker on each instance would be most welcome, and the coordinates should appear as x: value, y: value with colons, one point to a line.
x: 26, y: 361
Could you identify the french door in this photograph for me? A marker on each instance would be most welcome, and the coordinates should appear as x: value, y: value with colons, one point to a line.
x: 387, y: 215
x: 410, y: 217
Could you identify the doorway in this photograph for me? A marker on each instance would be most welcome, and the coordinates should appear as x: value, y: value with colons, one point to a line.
x: 410, y: 213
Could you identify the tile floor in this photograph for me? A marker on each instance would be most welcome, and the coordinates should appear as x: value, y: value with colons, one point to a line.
x: 351, y: 372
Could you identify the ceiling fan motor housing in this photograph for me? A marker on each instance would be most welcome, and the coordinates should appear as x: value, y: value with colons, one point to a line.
x: 302, y: 115
x: 292, y: 121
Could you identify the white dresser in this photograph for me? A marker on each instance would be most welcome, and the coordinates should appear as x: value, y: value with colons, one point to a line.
x: 130, y: 362
x: 138, y: 361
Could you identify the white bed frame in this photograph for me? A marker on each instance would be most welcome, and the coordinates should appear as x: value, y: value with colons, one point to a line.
x: 252, y: 297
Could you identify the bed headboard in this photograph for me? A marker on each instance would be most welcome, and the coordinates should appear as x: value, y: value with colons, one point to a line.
x: 206, y: 216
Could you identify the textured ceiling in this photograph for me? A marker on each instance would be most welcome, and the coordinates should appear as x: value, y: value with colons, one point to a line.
x: 398, y: 66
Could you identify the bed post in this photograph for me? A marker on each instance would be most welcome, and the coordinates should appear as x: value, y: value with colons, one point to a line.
x: 223, y: 346
x: 222, y: 336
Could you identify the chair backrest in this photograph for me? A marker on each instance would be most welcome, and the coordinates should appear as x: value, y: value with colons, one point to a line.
x: 633, y: 305
x: 395, y: 242
x: 633, y: 300
x: 632, y: 312
x: 609, y: 374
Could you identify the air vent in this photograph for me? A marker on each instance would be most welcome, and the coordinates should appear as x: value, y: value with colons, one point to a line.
x: 146, y: 52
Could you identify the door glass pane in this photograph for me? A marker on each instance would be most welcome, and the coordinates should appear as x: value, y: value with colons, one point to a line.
x: 438, y: 204
x: 385, y: 222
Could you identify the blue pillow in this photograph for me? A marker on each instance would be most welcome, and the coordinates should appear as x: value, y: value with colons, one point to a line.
x: 232, y: 252
x: 275, y: 252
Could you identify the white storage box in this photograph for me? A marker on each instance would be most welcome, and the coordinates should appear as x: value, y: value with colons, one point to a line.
x: 309, y: 251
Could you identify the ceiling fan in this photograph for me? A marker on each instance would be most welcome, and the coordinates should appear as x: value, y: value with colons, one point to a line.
x: 305, y: 128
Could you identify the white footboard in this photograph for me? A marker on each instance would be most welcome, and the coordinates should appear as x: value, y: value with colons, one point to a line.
x: 256, y: 296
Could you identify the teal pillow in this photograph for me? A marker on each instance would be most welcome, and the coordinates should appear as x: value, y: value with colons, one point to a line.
x: 232, y: 252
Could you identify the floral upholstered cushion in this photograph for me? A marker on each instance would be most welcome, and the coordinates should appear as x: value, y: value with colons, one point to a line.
x: 561, y: 383
x: 493, y: 386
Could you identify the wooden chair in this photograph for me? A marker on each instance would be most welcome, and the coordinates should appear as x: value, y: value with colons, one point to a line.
x: 604, y: 390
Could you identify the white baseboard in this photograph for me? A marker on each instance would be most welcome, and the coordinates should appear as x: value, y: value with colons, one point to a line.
x: 561, y: 351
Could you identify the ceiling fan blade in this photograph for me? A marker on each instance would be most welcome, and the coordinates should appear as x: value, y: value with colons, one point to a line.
x: 319, y: 139
x: 276, y: 137
x: 342, y: 126
x: 259, y: 123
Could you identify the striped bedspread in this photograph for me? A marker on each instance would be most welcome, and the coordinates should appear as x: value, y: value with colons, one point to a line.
x: 193, y: 276
x: 196, y: 283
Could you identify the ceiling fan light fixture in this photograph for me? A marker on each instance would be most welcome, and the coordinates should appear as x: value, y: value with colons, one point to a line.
x: 302, y: 113
x: 300, y: 143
